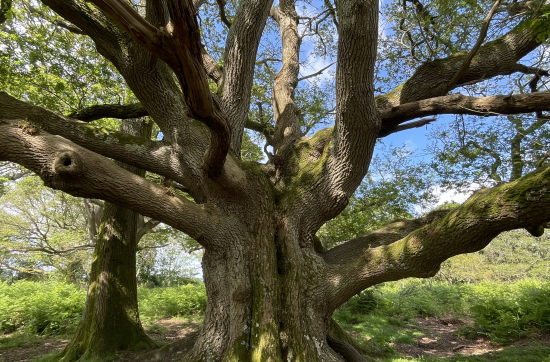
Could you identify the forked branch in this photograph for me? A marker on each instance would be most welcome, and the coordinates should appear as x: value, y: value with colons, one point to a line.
x: 483, y: 33
x: 179, y: 45
x: 136, y: 151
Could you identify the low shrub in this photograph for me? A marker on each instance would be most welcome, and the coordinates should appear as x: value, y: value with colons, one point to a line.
x: 503, y: 312
x: 50, y: 307
x: 40, y: 307
x: 508, y: 312
x: 171, y: 301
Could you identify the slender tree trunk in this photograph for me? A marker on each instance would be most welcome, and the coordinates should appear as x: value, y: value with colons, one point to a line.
x: 110, y: 320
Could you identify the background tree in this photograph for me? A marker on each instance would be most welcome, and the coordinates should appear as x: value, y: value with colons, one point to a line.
x: 110, y: 320
x: 44, y: 229
x: 271, y: 285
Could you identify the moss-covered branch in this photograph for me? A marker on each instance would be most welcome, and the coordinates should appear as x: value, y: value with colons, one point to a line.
x: 524, y: 203
x: 494, y: 58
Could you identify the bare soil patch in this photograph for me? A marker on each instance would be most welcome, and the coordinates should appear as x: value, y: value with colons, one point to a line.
x: 165, y: 331
x: 441, y: 340
x: 29, y: 352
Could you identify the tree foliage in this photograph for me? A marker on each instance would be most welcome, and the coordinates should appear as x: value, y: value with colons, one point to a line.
x: 319, y: 83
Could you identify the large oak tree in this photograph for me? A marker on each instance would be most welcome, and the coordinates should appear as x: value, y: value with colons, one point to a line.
x: 271, y: 285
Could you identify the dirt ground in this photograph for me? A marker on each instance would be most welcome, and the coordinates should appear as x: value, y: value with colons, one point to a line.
x: 165, y: 331
x: 440, y: 341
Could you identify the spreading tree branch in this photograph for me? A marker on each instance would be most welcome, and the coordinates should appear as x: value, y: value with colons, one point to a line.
x: 239, y: 65
x: 494, y: 167
x: 137, y: 151
x: 285, y: 110
x: 179, y: 45
x: 460, y: 104
x: 66, y: 166
x: 223, y: 17
x: 136, y: 110
x: 418, y: 247
x: 494, y: 58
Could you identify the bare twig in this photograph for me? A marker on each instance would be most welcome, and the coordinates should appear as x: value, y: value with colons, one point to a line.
x: 223, y: 17
x: 316, y: 73
x: 464, y: 68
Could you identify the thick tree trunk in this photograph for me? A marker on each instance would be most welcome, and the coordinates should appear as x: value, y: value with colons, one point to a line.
x: 266, y: 293
x: 262, y: 307
x: 110, y: 320
x: 265, y: 304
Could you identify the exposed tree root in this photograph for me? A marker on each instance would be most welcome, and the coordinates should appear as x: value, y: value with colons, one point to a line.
x: 173, y: 351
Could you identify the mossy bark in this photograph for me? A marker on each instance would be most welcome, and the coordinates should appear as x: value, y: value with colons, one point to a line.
x: 110, y: 320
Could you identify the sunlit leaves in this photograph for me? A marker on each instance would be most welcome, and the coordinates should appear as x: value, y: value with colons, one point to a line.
x: 34, y: 217
x: 398, y: 185
x: 52, y: 67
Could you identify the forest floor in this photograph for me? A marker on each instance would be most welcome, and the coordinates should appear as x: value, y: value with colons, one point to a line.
x: 442, y: 340
x: 434, y: 340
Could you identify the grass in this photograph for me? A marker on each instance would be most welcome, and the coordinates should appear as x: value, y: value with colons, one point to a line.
x: 381, y: 329
x: 384, y: 315
x: 19, y: 339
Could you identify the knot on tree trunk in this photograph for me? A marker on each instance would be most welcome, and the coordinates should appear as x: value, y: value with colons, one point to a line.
x: 67, y: 163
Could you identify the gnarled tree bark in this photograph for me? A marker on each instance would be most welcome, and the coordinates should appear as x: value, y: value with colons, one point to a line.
x: 271, y: 289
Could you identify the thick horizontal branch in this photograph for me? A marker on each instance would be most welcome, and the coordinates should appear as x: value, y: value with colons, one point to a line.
x: 136, y: 110
x: 460, y: 104
x: 135, y: 151
x: 524, y: 203
x: 65, y: 166
x: 265, y: 129
x: 494, y: 58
